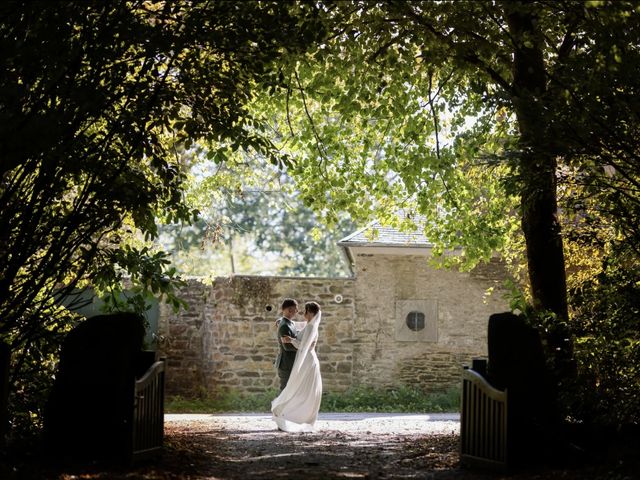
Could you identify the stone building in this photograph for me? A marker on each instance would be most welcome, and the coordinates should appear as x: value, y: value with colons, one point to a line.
x: 396, y: 321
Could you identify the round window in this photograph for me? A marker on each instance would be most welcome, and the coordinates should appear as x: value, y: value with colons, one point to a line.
x: 415, y: 321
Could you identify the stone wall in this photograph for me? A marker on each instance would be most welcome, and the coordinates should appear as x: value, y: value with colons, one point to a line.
x: 461, y: 309
x: 227, y: 338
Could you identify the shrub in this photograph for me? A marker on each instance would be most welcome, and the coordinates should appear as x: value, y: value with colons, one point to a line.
x: 606, y: 327
x: 356, y: 399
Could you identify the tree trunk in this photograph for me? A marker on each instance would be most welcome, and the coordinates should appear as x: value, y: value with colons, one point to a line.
x: 540, y: 224
x: 232, y: 262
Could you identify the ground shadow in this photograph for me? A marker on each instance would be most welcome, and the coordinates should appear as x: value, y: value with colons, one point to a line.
x: 232, y: 449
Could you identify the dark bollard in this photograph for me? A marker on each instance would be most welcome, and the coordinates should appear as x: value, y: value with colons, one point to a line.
x: 479, y: 365
x: 89, y: 413
x: 517, y: 364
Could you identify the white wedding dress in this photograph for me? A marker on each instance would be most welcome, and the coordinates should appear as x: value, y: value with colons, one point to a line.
x: 296, y: 408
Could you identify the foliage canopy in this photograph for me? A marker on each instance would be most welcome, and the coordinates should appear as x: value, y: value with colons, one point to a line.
x: 507, y: 125
x: 97, y: 100
x: 510, y: 126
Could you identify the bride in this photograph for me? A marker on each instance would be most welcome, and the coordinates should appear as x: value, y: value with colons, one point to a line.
x: 296, y: 408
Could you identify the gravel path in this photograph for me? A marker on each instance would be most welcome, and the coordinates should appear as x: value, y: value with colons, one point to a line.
x: 347, y: 445
x: 347, y: 423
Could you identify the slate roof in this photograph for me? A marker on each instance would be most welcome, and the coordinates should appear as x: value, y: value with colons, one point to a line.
x: 384, y: 236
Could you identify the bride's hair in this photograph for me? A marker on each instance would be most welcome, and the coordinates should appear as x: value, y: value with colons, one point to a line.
x: 313, y: 307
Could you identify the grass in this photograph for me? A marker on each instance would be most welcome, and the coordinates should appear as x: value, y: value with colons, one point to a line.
x: 359, y: 399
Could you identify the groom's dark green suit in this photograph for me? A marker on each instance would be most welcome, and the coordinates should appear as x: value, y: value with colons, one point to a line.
x: 287, y: 354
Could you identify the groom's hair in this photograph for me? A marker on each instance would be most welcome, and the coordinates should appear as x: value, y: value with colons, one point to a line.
x: 313, y: 307
x: 288, y: 302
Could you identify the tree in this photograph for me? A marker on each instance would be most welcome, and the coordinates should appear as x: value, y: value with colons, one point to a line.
x: 95, y: 101
x: 243, y: 231
x: 251, y: 221
x: 469, y: 113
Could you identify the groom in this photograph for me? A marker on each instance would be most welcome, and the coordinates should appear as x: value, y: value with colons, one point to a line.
x: 287, y: 354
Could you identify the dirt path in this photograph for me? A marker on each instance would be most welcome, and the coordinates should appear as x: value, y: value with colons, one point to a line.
x: 345, y: 446
x: 360, y: 446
